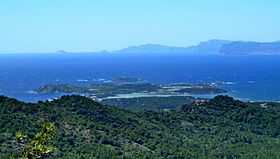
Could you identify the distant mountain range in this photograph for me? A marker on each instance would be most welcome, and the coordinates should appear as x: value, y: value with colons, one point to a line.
x: 218, y: 47
x: 152, y: 48
x: 210, y: 47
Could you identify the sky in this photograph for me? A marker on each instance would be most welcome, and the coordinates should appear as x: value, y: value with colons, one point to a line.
x: 93, y: 25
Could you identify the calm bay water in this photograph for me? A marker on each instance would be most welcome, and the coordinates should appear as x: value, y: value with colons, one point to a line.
x: 246, y: 77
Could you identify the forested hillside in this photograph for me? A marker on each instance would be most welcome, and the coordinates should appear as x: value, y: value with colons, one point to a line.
x: 220, y: 128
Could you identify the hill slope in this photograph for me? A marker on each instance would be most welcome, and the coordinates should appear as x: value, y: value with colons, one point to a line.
x: 220, y: 128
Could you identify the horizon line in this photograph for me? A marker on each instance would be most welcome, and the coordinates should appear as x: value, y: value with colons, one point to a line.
x: 129, y: 46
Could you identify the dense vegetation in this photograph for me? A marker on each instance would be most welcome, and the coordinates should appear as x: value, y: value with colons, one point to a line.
x: 219, y: 128
x: 149, y: 103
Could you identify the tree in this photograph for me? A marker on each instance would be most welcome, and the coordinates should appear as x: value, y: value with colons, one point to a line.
x: 39, y: 146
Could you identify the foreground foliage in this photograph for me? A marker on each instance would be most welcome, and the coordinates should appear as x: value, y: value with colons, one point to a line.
x: 38, y: 146
x: 220, y: 128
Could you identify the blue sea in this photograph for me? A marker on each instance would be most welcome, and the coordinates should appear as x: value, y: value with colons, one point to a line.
x: 245, y: 77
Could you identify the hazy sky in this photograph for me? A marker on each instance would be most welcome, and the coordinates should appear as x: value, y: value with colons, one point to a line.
x: 90, y: 25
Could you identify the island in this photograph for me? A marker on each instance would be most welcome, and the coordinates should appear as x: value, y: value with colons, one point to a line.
x: 131, y: 87
x: 136, y: 94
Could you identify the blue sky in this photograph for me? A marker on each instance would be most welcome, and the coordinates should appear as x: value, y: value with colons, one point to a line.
x: 91, y: 25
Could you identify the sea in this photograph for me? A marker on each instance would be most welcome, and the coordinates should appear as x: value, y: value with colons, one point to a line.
x: 248, y: 78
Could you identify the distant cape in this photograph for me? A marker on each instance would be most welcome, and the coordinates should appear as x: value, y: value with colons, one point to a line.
x: 251, y: 48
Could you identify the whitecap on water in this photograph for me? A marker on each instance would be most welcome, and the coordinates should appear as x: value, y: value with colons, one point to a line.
x: 31, y: 92
x: 82, y: 80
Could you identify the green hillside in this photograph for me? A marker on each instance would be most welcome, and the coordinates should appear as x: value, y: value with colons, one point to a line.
x: 221, y: 128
